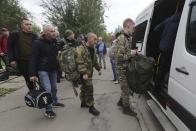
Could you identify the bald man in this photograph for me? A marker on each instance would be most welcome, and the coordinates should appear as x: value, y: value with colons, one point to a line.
x: 86, y: 60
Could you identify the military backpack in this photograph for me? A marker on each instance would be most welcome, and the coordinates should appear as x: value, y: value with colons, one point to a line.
x: 68, y: 63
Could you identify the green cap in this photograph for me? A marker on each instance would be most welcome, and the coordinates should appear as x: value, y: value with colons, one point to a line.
x: 68, y: 32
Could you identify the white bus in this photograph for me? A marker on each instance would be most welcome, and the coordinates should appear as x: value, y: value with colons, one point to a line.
x: 178, y: 98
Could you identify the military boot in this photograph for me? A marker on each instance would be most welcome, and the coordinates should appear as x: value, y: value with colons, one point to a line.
x: 120, y: 102
x: 94, y: 111
x: 129, y: 111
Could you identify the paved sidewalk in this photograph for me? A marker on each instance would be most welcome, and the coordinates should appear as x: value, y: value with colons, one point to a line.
x: 16, y: 116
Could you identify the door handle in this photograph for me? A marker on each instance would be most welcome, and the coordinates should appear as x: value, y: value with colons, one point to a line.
x: 182, y: 70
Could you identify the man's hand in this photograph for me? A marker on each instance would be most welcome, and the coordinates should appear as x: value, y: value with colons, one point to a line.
x: 33, y: 78
x: 13, y: 63
x: 85, y: 77
x: 99, y: 73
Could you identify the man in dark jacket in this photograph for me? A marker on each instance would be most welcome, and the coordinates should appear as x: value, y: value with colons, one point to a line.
x: 44, y: 63
x: 168, y: 29
x: 19, y: 49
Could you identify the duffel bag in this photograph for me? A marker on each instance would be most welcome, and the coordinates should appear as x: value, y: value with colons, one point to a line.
x: 139, y: 73
x: 38, y: 97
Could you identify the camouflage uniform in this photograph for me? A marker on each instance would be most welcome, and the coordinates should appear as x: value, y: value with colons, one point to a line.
x: 123, y: 53
x: 85, y: 66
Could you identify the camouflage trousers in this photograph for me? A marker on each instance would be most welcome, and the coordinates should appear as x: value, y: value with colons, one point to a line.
x: 86, y: 94
x: 124, y: 88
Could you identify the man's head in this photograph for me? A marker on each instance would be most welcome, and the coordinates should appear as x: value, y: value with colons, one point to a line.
x: 91, y: 39
x: 49, y: 32
x: 128, y: 26
x: 4, y: 32
x: 26, y: 25
x: 69, y: 34
x: 100, y: 39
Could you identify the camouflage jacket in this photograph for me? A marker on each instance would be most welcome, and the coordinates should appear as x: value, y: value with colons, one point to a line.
x: 84, y: 62
x: 122, y: 50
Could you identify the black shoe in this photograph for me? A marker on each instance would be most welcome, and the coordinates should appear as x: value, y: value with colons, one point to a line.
x: 128, y: 111
x: 50, y: 114
x: 120, y: 102
x: 94, y: 111
x: 84, y: 105
x: 58, y: 105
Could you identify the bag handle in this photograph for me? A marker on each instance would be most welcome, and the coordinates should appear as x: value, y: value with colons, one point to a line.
x: 39, y: 85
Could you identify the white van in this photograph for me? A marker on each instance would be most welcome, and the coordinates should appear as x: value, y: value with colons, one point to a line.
x: 178, y: 99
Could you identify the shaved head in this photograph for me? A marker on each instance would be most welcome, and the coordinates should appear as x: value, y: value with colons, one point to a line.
x: 90, y: 35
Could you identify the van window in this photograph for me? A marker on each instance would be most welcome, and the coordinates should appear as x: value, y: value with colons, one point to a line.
x: 191, y: 34
x: 138, y: 36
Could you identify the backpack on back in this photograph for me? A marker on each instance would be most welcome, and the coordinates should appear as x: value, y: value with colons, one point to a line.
x: 68, y: 63
x: 139, y: 73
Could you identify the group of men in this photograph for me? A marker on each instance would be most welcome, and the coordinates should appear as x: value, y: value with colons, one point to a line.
x: 36, y: 59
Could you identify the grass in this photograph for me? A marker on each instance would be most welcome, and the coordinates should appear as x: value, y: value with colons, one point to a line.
x: 4, y: 91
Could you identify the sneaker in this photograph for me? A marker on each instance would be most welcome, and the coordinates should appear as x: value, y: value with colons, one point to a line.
x: 120, y: 102
x: 84, y: 105
x: 50, y: 114
x: 116, y: 82
x: 113, y: 80
x: 58, y: 105
x: 129, y: 111
x: 94, y: 111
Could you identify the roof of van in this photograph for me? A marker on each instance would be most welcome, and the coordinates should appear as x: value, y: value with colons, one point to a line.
x: 145, y: 14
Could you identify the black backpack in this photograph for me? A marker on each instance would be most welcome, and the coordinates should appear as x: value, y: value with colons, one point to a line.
x: 38, y: 97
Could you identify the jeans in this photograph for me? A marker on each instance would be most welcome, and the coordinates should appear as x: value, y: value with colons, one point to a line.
x: 102, y: 58
x: 113, y: 63
x: 48, y: 81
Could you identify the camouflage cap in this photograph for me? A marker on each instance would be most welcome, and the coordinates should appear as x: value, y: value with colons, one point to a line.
x: 68, y: 32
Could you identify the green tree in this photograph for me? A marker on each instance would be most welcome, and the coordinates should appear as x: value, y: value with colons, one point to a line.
x: 82, y: 16
x: 36, y: 29
x: 10, y: 14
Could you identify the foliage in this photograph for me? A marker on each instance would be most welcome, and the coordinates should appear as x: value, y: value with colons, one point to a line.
x: 81, y: 16
x: 4, y: 91
x: 10, y: 14
x: 36, y: 29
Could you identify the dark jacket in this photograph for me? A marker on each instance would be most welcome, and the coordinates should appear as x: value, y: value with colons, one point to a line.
x: 13, y: 45
x: 169, y: 29
x: 44, y: 57
x: 104, y: 50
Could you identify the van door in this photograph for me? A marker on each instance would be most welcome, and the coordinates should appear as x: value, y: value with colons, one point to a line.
x: 182, y: 82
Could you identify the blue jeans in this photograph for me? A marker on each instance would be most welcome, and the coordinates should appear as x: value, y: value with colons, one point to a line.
x: 48, y: 81
x: 113, y: 63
